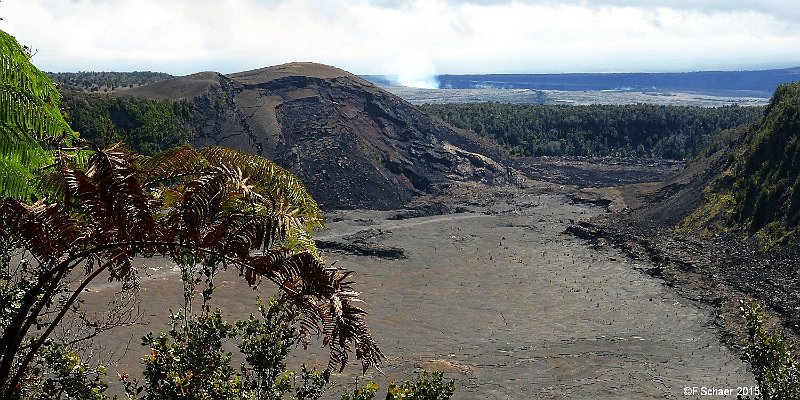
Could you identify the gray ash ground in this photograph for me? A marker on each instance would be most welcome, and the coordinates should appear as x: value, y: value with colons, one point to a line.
x: 511, y: 307
x: 495, y: 294
x: 588, y: 172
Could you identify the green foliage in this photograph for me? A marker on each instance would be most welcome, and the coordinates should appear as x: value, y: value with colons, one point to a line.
x: 640, y: 130
x: 366, y: 392
x: 312, y: 384
x: 266, y: 342
x: 92, y: 81
x: 770, y: 356
x: 190, y: 362
x: 145, y: 126
x: 60, y: 374
x: 30, y: 122
x: 758, y: 192
x: 427, y: 386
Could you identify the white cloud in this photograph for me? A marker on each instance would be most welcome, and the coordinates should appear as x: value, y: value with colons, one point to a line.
x: 412, y: 39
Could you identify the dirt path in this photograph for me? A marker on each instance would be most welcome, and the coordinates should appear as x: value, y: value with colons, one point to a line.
x: 509, y: 307
x: 340, y: 230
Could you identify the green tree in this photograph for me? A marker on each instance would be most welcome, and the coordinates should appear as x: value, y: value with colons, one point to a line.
x: 770, y: 356
x: 639, y: 130
x: 189, y: 362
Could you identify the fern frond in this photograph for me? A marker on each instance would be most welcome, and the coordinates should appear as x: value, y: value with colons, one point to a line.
x: 17, y: 182
x: 29, y: 116
x: 29, y: 101
x: 268, y: 179
x: 44, y: 229
x: 325, y: 298
x: 170, y: 164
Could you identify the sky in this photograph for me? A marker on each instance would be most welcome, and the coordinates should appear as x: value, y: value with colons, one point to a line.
x: 411, y: 40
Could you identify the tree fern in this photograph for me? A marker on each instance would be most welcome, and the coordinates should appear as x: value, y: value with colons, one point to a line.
x: 111, y: 212
x: 257, y: 183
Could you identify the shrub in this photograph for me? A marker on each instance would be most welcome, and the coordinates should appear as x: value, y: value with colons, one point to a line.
x: 426, y: 386
x: 770, y: 356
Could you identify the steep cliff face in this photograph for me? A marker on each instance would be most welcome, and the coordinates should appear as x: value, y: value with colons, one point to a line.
x: 353, y: 144
x: 755, y: 186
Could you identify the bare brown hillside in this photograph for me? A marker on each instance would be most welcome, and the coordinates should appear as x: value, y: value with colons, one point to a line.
x: 353, y: 144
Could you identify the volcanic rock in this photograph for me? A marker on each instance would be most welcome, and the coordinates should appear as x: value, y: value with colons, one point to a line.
x: 352, y: 143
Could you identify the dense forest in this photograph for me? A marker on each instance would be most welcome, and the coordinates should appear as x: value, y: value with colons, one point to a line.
x: 146, y: 126
x: 105, y: 81
x: 640, y: 130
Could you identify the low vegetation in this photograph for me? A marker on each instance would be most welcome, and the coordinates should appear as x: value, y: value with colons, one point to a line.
x: 770, y: 356
x: 757, y: 194
x: 641, y: 130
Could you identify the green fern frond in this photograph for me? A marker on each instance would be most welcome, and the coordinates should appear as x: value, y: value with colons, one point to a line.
x: 297, y: 237
x: 29, y: 117
x: 271, y: 180
x: 17, y: 182
x: 29, y: 101
x: 253, y: 182
x: 175, y: 162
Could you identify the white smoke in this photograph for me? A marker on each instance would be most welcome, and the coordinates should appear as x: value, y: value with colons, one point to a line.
x: 413, y: 70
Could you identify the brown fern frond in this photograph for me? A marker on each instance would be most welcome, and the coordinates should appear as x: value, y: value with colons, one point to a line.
x: 238, y: 235
x: 326, y: 300
x: 120, y: 265
x: 269, y: 179
x: 119, y: 189
x: 200, y: 203
x: 82, y: 191
x: 171, y: 164
x: 110, y: 196
x: 44, y: 229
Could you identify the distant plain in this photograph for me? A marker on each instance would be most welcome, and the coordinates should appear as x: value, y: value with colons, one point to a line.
x: 579, y: 97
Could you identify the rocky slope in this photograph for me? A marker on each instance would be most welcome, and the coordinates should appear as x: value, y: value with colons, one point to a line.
x: 353, y: 144
x: 757, y: 193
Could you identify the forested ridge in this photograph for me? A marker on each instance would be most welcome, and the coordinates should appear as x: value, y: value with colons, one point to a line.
x: 144, y: 125
x: 104, y: 81
x: 640, y: 130
x: 650, y: 131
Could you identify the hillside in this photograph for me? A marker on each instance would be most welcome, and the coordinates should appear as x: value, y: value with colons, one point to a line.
x: 353, y: 144
x: 757, y: 190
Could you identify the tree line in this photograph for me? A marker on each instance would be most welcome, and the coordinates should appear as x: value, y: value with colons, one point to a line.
x: 637, y: 130
x: 144, y: 125
x: 92, y: 81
